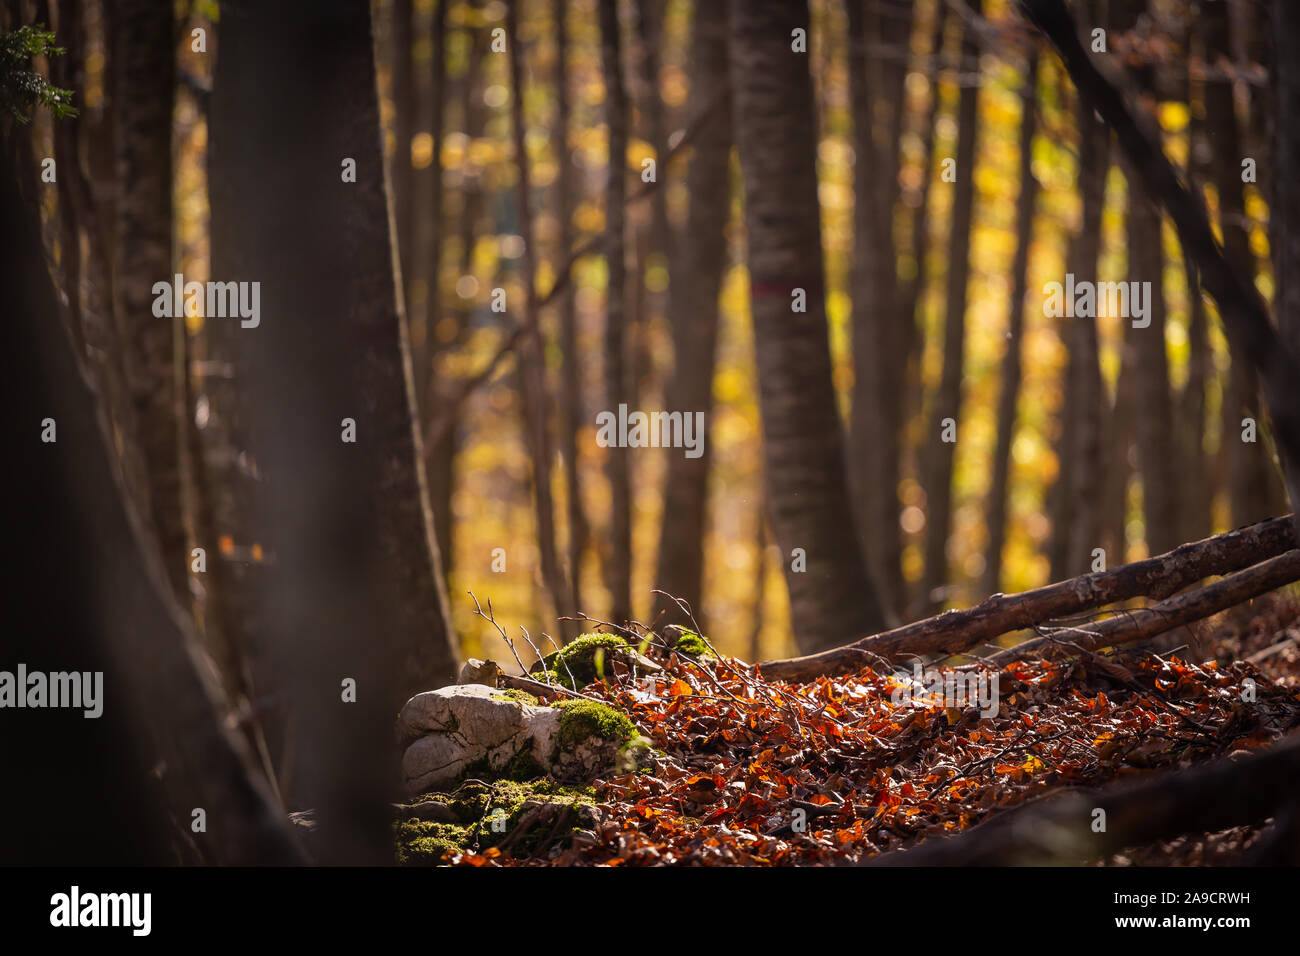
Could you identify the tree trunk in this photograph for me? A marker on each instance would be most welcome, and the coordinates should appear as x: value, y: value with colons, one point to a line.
x: 145, y: 69
x: 534, y: 400
x: 1011, y: 359
x: 91, y: 576
x: 947, y: 402
x: 355, y: 592
x: 775, y: 121
x: 698, y: 269
x: 571, y: 410
x: 1086, y: 479
x: 876, y: 401
x: 1248, y: 465
x: 618, y: 467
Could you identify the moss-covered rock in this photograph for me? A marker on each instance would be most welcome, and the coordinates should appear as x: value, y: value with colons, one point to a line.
x: 594, y: 738
x: 490, y: 814
x: 582, y: 660
x: 519, y: 696
x: 689, y: 642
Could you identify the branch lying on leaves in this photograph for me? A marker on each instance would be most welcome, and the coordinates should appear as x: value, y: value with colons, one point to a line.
x: 1129, y: 626
x: 956, y: 631
x: 1059, y: 830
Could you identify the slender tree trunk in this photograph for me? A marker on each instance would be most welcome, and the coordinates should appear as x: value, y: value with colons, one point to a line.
x: 571, y: 410
x: 440, y: 455
x: 422, y: 355
x: 947, y: 403
x: 698, y: 269
x: 1011, y: 359
x: 775, y: 122
x: 1248, y: 465
x: 403, y: 78
x: 911, y: 338
x: 651, y: 245
x: 619, y: 572
x: 1086, y: 480
x: 873, y: 432
x: 1285, y: 219
x: 534, y: 400
x: 355, y: 597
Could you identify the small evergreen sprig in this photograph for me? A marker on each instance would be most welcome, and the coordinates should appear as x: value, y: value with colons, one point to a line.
x: 20, y: 87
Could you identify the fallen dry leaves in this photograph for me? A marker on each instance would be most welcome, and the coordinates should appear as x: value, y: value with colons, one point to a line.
x: 761, y: 773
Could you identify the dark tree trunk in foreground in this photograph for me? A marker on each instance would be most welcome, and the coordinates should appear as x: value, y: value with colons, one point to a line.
x: 947, y: 402
x: 1011, y: 360
x: 144, y: 61
x: 91, y: 595
x: 618, y: 466
x: 355, y: 593
x: 698, y: 269
x: 775, y: 121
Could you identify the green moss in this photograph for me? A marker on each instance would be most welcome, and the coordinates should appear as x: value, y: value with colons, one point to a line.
x: 582, y: 719
x: 582, y: 660
x: 691, y: 643
x: 422, y: 843
x: 520, y: 696
x: 487, y: 814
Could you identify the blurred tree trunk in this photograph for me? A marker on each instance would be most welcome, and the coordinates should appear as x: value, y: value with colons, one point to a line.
x: 1157, y: 451
x: 1086, y: 481
x: 1249, y: 466
x: 534, y: 399
x: 1011, y: 359
x: 440, y: 455
x: 652, y: 245
x: 1285, y: 219
x: 877, y: 336
x: 429, y: 195
x: 618, y: 467
x: 91, y: 575
x: 775, y: 123
x: 697, y: 267
x: 571, y: 409
x: 145, y: 80
x: 947, y: 402
x: 910, y: 296
x: 355, y: 598
x: 403, y: 91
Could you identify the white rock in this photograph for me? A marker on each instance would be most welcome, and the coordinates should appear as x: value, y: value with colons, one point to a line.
x: 452, y: 728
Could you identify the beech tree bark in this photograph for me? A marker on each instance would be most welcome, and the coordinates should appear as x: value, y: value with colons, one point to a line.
x: 775, y: 121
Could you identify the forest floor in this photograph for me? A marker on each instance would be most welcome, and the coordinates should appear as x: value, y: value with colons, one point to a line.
x: 839, y: 770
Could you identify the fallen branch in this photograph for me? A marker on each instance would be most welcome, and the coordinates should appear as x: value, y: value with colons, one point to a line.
x: 956, y: 631
x: 1129, y: 626
x: 1059, y: 830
